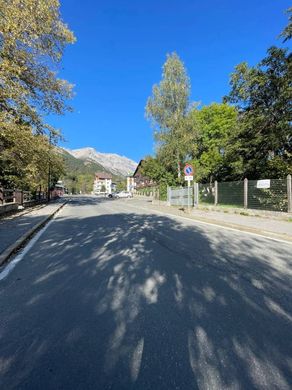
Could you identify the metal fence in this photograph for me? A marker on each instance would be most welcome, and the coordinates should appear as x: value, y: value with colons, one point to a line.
x: 231, y: 193
x: 180, y: 196
x: 268, y: 194
x: 207, y: 193
x: 274, y: 198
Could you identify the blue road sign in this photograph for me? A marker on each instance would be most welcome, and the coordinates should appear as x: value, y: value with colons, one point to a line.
x: 188, y: 170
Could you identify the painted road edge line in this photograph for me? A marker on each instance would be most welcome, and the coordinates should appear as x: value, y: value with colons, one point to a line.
x: 235, y: 229
x: 4, y: 257
x: 10, y: 266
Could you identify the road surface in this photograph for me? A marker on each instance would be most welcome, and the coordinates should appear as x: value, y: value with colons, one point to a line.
x: 112, y: 296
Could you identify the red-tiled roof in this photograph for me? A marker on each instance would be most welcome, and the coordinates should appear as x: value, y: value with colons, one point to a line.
x: 103, y: 175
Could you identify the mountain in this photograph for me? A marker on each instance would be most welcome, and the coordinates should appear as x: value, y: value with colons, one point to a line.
x: 74, y: 166
x: 79, y: 174
x: 114, y: 163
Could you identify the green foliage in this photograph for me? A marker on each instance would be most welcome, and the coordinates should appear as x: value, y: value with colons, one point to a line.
x: 215, y: 125
x: 25, y: 159
x: 154, y: 169
x: 167, y: 109
x: 121, y: 185
x: 250, y: 138
x: 32, y: 40
x: 263, y: 96
x: 287, y: 32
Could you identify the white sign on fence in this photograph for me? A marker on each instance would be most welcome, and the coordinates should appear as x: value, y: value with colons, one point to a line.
x: 264, y: 183
x: 189, y: 178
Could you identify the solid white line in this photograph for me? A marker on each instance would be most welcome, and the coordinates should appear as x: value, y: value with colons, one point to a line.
x: 213, y: 224
x: 11, y: 265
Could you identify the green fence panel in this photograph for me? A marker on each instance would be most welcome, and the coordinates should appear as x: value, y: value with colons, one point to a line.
x: 231, y: 193
x: 274, y: 198
x: 207, y: 193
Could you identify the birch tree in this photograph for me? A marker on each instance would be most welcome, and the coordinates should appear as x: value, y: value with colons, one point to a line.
x: 167, y: 109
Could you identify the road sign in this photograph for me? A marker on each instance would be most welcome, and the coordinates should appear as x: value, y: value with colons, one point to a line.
x: 188, y: 170
x: 189, y: 178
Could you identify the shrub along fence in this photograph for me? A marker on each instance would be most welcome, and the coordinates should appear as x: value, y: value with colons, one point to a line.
x: 156, y: 192
x: 268, y: 194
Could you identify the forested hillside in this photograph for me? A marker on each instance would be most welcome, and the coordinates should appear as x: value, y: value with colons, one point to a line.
x: 79, y: 175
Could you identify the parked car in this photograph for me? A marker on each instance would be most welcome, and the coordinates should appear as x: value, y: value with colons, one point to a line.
x: 112, y: 195
x: 124, y: 194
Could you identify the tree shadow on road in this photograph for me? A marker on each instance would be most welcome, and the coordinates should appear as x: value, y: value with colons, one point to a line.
x: 129, y: 301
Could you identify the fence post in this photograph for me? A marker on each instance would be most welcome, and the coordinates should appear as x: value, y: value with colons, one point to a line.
x: 168, y: 195
x: 245, y: 193
x: 216, y: 193
x: 289, y: 193
x: 196, y: 194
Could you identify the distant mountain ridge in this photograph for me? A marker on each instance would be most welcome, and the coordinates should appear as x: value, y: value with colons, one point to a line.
x: 114, y: 163
x: 79, y: 174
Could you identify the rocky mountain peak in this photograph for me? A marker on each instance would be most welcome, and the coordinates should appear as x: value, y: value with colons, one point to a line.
x: 118, y: 165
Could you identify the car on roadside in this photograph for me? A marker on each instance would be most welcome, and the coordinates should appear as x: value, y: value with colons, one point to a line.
x: 112, y: 195
x: 124, y: 194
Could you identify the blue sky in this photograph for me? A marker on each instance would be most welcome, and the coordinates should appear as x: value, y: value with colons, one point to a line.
x: 122, y: 45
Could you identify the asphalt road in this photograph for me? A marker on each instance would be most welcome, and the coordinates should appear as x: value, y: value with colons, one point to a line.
x: 112, y: 296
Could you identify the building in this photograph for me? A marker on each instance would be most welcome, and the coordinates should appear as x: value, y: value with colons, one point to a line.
x: 141, y: 181
x: 102, y: 183
x: 130, y: 184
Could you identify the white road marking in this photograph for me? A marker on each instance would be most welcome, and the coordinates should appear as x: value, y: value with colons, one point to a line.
x: 11, y: 265
x: 212, y: 224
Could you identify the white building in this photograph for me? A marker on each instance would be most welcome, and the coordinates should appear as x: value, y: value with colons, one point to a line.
x: 102, y: 183
x: 131, y: 184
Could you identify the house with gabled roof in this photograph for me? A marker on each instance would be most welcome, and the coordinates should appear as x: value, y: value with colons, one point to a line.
x: 102, y: 183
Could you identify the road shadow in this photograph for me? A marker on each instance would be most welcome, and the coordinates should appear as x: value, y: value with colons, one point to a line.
x: 136, y: 301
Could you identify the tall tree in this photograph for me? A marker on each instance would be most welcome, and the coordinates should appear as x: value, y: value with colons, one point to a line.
x: 287, y: 32
x: 167, y: 109
x: 32, y: 41
x: 263, y: 95
x: 216, y: 125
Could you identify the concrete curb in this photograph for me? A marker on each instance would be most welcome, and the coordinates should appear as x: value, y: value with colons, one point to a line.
x: 228, y: 225
x: 23, y: 212
x: 242, y: 228
x: 4, y: 256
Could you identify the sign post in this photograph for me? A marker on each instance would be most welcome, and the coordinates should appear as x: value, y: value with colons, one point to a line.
x: 188, y: 170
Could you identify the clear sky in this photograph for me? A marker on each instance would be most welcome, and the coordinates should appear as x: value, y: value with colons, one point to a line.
x: 122, y: 45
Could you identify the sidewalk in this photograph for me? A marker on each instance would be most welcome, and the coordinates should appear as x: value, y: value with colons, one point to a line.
x: 14, y: 230
x: 266, y: 226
